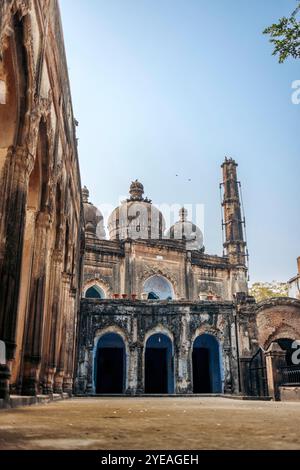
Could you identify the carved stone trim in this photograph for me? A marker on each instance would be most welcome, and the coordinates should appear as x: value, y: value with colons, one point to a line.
x: 157, y: 270
x: 98, y: 280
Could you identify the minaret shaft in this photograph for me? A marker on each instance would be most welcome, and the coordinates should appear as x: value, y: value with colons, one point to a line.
x: 235, y: 244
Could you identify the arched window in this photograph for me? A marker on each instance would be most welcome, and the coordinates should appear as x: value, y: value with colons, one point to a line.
x: 94, y: 292
x: 158, y: 287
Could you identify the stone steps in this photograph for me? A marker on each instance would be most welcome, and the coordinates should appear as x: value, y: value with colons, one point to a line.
x: 179, y: 395
x: 15, y: 401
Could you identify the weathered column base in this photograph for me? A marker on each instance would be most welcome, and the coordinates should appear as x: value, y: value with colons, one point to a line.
x: 30, y: 383
x: 58, y: 382
x: 4, y: 381
x: 68, y: 384
x: 49, y: 380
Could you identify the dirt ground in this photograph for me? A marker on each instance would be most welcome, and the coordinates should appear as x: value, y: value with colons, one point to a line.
x: 152, y: 423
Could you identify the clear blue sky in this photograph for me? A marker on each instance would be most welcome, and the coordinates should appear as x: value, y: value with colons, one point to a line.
x: 166, y: 87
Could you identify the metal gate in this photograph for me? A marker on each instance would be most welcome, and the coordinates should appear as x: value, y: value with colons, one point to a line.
x: 258, y: 375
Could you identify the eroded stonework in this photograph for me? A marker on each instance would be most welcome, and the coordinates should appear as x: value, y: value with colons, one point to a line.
x: 145, y: 311
x: 41, y: 219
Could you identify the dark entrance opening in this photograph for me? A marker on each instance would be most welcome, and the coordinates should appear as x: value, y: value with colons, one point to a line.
x: 286, y: 345
x: 201, y: 372
x: 110, y: 364
x: 159, y: 365
x: 206, y: 365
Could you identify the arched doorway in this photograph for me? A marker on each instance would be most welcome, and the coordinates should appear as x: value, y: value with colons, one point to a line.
x: 206, y: 365
x: 158, y: 287
x: 159, y: 364
x: 110, y: 364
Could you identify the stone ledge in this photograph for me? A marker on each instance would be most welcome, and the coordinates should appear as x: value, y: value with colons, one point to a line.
x: 16, y: 401
x: 290, y: 393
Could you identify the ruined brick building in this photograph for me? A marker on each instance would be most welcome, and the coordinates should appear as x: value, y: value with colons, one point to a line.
x: 145, y: 310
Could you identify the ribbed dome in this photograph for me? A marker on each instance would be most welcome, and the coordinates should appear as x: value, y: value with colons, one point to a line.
x: 136, y: 218
x: 94, y: 224
x: 186, y: 231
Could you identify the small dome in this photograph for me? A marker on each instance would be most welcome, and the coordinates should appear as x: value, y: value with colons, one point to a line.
x: 136, y: 218
x: 94, y: 224
x: 186, y: 231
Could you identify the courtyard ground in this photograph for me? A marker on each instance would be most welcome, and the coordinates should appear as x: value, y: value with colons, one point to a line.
x: 152, y: 423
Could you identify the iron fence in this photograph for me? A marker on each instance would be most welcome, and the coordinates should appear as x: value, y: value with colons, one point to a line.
x: 290, y: 375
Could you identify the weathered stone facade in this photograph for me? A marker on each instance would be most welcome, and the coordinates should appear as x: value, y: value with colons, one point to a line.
x: 157, y: 313
x: 142, y: 294
x: 41, y: 219
x: 140, y: 288
x: 136, y: 321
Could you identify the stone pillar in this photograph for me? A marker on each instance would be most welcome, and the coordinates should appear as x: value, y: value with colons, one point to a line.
x: 275, y: 358
x: 61, y: 349
x: 70, y: 346
x: 20, y: 164
x: 140, y: 369
x: 189, y: 285
x: 127, y: 270
x: 89, y: 371
x: 132, y: 369
x: 228, y: 389
x: 35, y: 322
x: 184, y: 379
x: 55, y: 322
x: 4, y: 373
x: 4, y: 381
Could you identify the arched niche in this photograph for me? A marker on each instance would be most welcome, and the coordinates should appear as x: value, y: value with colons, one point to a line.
x: 158, y: 287
x: 13, y: 86
x: 94, y: 292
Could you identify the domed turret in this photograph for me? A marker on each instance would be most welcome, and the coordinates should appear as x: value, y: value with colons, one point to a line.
x: 136, y: 218
x: 94, y: 224
x: 186, y: 231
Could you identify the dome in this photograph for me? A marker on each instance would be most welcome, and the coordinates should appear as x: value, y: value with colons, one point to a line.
x: 136, y: 218
x: 187, y: 231
x: 94, y: 225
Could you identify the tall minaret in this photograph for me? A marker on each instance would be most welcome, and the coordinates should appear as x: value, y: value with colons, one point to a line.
x: 235, y: 244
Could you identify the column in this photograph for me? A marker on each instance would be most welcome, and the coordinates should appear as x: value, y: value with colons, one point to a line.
x: 35, y: 321
x: 275, y: 358
x: 61, y: 345
x: 54, y: 323
x: 20, y: 165
x: 70, y: 346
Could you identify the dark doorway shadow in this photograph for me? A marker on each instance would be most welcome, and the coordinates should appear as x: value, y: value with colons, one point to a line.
x: 110, y: 364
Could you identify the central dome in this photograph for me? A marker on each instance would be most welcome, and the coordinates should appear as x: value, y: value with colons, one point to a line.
x: 136, y: 218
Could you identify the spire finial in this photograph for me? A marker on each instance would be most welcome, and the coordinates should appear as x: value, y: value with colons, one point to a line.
x: 136, y: 191
x: 183, y: 213
x: 85, y: 194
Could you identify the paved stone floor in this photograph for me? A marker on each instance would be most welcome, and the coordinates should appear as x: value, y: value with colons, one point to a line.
x: 152, y: 423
